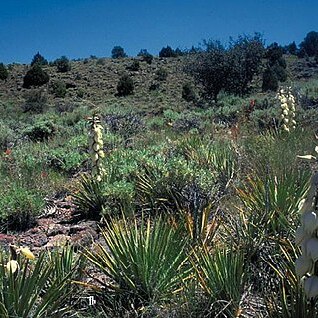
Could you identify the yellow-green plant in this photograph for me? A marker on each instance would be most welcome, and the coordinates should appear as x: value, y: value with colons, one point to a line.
x: 288, y: 109
x: 34, y: 287
x: 96, y: 147
x: 145, y: 262
x: 222, y: 277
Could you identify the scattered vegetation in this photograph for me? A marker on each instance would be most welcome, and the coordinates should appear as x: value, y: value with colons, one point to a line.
x: 194, y: 187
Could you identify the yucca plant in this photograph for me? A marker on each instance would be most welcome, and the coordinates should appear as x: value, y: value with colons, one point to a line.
x: 38, y: 288
x: 275, y: 198
x: 221, y: 275
x: 144, y: 263
x: 219, y: 158
x: 90, y: 198
x: 289, y: 300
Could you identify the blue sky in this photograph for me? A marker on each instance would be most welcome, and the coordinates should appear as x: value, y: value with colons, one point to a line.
x: 80, y: 28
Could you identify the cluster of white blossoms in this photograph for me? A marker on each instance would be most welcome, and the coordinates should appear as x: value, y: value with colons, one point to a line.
x: 96, y: 146
x: 288, y: 102
x: 306, y: 238
x: 12, y: 266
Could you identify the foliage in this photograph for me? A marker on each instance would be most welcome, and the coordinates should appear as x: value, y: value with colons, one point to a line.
x: 39, y: 60
x: 188, y: 92
x: 291, y: 48
x: 210, y: 69
x: 167, y: 52
x: 125, y: 85
x: 39, y: 288
x: 145, y: 262
x: 59, y: 89
x: 7, y: 136
x: 222, y: 277
x: 35, y: 101
x: 245, y: 59
x: 146, y: 56
x: 161, y: 74
x: 40, y: 130
x: 276, y: 198
x: 310, y: 44
x: 35, y: 77
x: 118, y: 52
x: 270, y: 80
x: 3, y: 72
x: 276, y: 67
x: 289, y: 300
x: 231, y: 69
x: 63, y: 64
x: 135, y: 66
x: 19, y: 207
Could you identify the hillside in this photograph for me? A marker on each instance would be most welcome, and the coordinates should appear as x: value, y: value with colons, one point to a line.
x: 149, y: 205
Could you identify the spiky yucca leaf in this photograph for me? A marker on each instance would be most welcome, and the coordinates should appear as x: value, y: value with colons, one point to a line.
x: 146, y: 261
x: 289, y: 301
x: 276, y: 198
x: 36, y: 289
x: 221, y: 275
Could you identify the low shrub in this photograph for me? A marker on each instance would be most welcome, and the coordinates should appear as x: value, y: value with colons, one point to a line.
x: 40, y: 130
x: 3, y: 72
x: 135, y: 66
x: 125, y: 85
x: 19, y: 206
x: 188, y: 93
x: 63, y: 64
x: 59, y: 89
x: 161, y: 74
x: 35, y: 101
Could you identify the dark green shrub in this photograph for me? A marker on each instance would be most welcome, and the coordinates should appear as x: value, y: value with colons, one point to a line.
x: 59, y: 89
x: 188, y: 93
x: 35, y: 77
x: 146, y: 56
x: 167, y: 52
x: 280, y: 72
x: 118, y: 52
x: 291, y: 48
x: 39, y: 60
x: 270, y: 80
x: 210, y: 69
x: 135, y: 66
x: 63, y: 64
x: 309, y: 46
x: 125, y: 85
x: 40, y: 130
x: 161, y: 74
x: 35, y: 101
x: 3, y: 72
x: 244, y: 60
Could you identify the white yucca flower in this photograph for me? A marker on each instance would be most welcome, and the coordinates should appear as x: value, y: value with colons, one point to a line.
x: 306, y: 238
x: 287, y: 101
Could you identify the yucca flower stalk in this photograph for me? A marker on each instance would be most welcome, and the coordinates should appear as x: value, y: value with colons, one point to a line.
x: 288, y: 109
x: 96, y: 147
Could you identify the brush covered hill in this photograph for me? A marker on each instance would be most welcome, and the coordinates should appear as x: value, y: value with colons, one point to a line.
x: 155, y: 85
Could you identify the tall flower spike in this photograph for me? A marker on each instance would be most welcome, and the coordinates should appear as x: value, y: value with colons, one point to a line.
x: 287, y: 101
x: 96, y: 147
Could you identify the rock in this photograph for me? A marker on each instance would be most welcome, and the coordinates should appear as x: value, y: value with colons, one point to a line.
x: 58, y: 240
